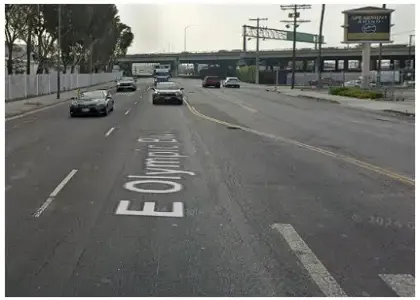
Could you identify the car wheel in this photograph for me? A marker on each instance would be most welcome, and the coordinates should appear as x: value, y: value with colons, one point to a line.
x: 106, y: 112
x: 72, y: 115
x: 218, y: 86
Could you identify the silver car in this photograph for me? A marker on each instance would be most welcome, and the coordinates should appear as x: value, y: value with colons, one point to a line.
x: 232, y: 82
x: 168, y: 92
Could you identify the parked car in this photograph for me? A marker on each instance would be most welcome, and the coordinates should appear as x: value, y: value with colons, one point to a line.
x: 328, y: 81
x: 168, y: 92
x: 99, y: 102
x: 211, y: 81
x: 231, y: 82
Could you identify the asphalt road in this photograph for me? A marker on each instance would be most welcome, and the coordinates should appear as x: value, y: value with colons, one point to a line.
x: 240, y: 192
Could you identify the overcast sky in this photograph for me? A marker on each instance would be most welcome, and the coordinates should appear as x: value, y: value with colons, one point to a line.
x: 160, y: 28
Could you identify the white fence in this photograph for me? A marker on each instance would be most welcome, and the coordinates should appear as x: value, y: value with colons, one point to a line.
x: 24, y: 86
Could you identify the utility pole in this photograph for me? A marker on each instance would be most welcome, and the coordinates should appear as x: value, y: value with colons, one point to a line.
x: 59, y: 51
x: 295, y: 23
x: 410, y: 43
x: 319, y: 42
x: 257, y: 54
x: 378, y: 75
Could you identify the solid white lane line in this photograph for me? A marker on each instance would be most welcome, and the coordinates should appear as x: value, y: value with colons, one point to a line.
x: 127, y: 112
x: 54, y: 193
x: 312, y: 264
x: 109, y: 131
x: 401, y: 284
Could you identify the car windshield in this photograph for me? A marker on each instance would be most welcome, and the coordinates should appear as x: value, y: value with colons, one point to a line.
x: 92, y: 95
x: 167, y: 86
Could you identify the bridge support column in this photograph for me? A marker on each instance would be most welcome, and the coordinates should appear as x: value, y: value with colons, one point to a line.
x: 336, y: 67
x: 346, y: 65
x: 402, y: 63
x: 304, y: 65
x: 195, y: 69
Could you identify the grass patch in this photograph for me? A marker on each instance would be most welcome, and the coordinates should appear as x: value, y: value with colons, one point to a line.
x: 355, y: 92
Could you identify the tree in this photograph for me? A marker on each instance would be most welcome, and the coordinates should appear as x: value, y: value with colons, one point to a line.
x: 14, y: 29
x: 319, y: 62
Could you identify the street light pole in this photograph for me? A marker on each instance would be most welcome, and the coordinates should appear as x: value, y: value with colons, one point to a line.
x: 257, y: 53
x: 59, y: 51
x: 185, y: 37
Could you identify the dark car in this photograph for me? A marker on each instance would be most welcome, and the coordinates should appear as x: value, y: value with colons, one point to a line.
x: 97, y: 102
x: 168, y: 92
x: 211, y: 81
x: 126, y: 83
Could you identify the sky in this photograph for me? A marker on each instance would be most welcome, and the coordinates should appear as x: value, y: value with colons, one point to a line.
x: 160, y: 27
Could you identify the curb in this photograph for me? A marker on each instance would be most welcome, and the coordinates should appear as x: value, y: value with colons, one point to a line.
x: 406, y: 113
x: 311, y: 97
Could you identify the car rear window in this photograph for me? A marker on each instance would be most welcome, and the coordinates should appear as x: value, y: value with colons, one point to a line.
x: 212, y: 78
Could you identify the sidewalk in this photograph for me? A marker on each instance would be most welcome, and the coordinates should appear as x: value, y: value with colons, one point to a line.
x: 19, y: 107
x: 404, y: 107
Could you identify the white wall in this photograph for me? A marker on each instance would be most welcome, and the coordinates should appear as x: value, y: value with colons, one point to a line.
x: 24, y: 86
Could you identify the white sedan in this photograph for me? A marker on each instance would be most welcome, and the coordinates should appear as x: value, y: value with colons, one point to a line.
x: 232, y: 82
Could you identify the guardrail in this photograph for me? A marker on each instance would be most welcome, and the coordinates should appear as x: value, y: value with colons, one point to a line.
x: 23, y: 86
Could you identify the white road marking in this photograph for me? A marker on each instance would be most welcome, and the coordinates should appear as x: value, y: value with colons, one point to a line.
x: 132, y: 186
x: 401, y: 284
x: 109, y: 131
x: 135, y: 102
x: 127, y: 112
x: 149, y: 210
x: 248, y: 108
x: 315, y: 268
x: 54, y: 193
x: 154, y: 177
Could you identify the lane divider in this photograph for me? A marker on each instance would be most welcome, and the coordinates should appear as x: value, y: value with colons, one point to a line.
x: 402, y: 178
x: 109, y: 131
x: 54, y: 194
x: 310, y: 261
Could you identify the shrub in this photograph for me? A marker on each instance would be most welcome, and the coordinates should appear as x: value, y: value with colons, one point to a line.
x: 355, y: 92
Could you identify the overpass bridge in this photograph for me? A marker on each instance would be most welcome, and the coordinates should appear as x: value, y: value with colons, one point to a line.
x: 397, y: 54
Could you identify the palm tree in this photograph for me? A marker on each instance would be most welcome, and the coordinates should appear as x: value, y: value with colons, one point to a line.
x: 321, y: 23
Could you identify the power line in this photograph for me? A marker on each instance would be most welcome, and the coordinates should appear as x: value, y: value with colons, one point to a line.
x: 295, y: 23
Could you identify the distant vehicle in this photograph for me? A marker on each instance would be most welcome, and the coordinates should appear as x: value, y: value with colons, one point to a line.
x: 327, y: 81
x: 99, y: 102
x: 211, y: 81
x: 161, y: 75
x: 168, y: 92
x: 231, y: 82
x: 358, y: 83
x: 126, y: 83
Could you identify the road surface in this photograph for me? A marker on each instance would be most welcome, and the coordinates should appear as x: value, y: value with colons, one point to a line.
x: 239, y: 192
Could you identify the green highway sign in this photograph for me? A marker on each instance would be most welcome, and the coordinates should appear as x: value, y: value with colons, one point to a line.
x: 302, y: 37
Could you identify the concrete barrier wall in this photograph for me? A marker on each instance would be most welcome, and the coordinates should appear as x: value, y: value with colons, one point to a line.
x: 24, y: 86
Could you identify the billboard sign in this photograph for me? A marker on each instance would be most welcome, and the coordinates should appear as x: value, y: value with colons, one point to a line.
x: 367, y: 25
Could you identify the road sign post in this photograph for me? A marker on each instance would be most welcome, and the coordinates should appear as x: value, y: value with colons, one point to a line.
x: 367, y: 25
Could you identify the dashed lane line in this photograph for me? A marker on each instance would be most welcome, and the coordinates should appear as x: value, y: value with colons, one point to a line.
x: 54, y: 194
x: 404, y: 179
x: 127, y: 112
x: 109, y: 131
x: 312, y: 264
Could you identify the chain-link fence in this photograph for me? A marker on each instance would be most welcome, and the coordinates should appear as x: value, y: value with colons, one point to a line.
x: 25, y: 86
